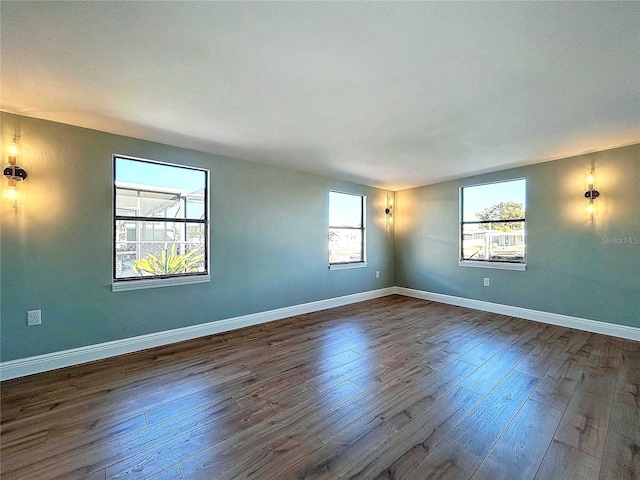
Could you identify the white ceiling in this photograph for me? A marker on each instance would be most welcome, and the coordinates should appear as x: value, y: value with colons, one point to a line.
x: 386, y: 94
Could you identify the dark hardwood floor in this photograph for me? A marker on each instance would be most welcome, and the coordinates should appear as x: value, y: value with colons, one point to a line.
x: 386, y: 389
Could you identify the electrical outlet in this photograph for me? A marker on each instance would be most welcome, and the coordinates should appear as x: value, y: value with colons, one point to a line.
x: 377, y: 274
x: 486, y: 282
x: 34, y: 317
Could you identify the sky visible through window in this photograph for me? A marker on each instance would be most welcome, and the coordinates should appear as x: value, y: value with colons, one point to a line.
x: 345, y: 210
x: 164, y: 176
x: 134, y: 171
x: 479, y: 197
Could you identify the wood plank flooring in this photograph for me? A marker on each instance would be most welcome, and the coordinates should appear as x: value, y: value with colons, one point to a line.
x: 392, y: 388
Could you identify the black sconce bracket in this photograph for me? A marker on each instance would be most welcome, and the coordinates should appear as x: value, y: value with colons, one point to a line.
x: 13, y: 172
x: 591, y: 194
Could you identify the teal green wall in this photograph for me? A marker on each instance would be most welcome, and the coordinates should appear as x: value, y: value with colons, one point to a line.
x: 575, y: 267
x: 268, y: 243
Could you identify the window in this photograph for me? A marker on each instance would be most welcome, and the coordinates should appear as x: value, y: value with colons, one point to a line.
x: 492, y: 225
x: 346, y: 230
x: 161, y: 224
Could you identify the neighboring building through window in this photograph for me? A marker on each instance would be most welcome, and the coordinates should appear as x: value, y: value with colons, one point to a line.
x: 492, y: 225
x: 346, y: 230
x: 161, y: 224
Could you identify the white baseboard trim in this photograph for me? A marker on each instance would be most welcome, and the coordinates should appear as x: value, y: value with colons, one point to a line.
x: 51, y: 361
x: 622, y: 331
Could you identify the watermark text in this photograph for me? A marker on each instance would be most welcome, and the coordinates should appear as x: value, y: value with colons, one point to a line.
x: 620, y: 240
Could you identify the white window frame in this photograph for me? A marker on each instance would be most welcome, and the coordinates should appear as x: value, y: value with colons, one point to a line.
x: 492, y: 264
x: 138, y: 283
x: 360, y: 263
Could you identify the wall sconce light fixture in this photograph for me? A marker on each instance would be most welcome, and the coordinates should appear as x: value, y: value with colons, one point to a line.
x: 13, y: 172
x: 591, y: 194
x: 389, y: 210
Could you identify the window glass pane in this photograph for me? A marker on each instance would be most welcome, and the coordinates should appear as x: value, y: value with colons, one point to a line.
x: 145, y: 189
x: 494, y: 201
x: 486, y: 233
x: 146, y: 249
x: 483, y: 241
x: 345, y: 245
x: 345, y: 210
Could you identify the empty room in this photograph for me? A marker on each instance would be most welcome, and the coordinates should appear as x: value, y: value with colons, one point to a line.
x: 289, y: 240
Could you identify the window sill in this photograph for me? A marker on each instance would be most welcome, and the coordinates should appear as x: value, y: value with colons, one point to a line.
x: 158, y: 282
x: 346, y: 266
x: 495, y: 265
